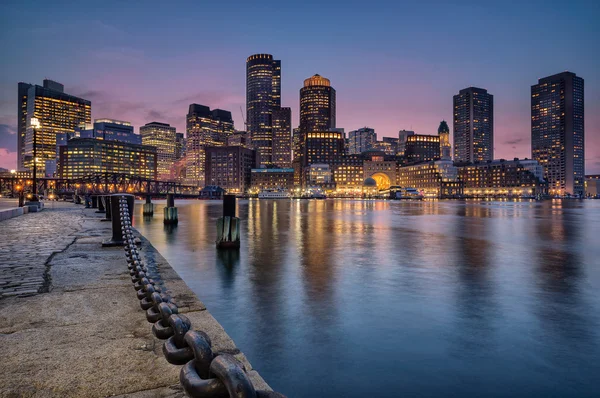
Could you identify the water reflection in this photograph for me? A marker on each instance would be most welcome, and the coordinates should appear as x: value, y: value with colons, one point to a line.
x: 462, y: 298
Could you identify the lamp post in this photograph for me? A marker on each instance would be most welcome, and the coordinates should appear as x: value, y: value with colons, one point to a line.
x: 35, y: 124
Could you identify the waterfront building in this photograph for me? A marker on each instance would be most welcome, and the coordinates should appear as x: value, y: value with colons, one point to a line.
x: 322, y: 147
x: 381, y: 167
x: 229, y: 167
x: 503, y: 178
x: 263, y: 94
x: 421, y: 148
x: 179, y: 145
x: 164, y: 138
x: 434, y: 179
x: 557, y: 132
x: 402, y: 137
x: 348, y: 175
x: 82, y: 157
x: 445, y: 147
x: 473, y: 125
x: 319, y: 175
x: 56, y: 112
x: 204, y: 128
x: 317, y: 105
x: 271, y: 179
x: 361, y: 140
x: 592, y: 185
x: 282, y: 137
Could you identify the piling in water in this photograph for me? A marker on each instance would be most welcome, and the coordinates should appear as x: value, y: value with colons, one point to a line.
x: 228, y: 226
x: 171, y: 211
x: 148, y: 207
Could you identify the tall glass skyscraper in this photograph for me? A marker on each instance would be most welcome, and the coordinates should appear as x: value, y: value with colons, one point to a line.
x: 557, y: 132
x: 317, y: 105
x: 263, y: 94
x: 473, y: 125
x: 282, y: 137
x: 164, y: 138
x: 361, y: 140
x: 56, y: 112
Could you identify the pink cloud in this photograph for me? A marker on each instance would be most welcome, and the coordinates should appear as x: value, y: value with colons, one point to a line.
x: 8, y: 159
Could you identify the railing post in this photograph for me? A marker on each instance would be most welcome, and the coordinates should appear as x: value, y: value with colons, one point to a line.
x: 117, y: 232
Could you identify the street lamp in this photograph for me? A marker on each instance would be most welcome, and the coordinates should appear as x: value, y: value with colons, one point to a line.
x: 35, y: 125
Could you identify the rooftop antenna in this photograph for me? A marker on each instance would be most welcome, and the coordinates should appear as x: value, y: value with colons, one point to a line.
x: 244, y: 119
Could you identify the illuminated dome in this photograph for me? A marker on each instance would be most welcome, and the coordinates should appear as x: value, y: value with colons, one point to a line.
x: 370, y: 182
x: 317, y: 80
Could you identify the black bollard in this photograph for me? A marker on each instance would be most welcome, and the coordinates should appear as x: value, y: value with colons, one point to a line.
x: 100, y: 204
x: 107, y: 208
x: 94, y: 201
x: 21, y: 198
x: 88, y: 202
x: 171, y: 211
x: 228, y: 226
x: 117, y: 233
x: 148, y: 207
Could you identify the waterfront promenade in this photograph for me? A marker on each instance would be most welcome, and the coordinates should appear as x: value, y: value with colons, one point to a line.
x: 70, y: 322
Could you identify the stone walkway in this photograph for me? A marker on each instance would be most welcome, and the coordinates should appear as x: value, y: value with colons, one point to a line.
x: 84, y: 334
x: 29, y: 241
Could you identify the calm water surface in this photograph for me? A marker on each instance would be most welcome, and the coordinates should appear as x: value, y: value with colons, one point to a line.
x: 379, y: 298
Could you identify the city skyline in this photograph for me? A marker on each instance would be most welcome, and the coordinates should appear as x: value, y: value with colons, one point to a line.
x: 409, y: 86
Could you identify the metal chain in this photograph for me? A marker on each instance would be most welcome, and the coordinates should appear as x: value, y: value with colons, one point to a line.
x: 204, y: 372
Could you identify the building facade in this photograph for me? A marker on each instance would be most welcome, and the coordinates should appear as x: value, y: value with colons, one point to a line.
x: 317, y: 105
x: 473, y: 125
x: 82, y: 157
x: 435, y: 179
x: 323, y: 147
x: 349, y: 176
x: 263, y: 94
x: 402, y: 137
x: 164, y: 138
x: 204, y: 128
x: 421, y: 148
x: 503, y: 178
x: 282, y: 137
x: 229, y: 167
x: 557, y: 132
x: 56, y: 112
x: 271, y: 179
x: 361, y: 140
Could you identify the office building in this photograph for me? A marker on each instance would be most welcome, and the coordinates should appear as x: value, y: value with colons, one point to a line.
x: 263, y: 93
x: 107, y: 129
x: 164, y: 138
x: 557, y: 132
x: 271, y: 179
x: 282, y: 137
x: 319, y: 175
x: 445, y: 147
x: 56, y: 112
x: 204, y: 128
x: 323, y: 147
x: 361, y: 140
x: 179, y: 145
x: 348, y: 175
x: 229, y: 167
x: 473, y: 125
x: 421, y: 148
x: 435, y: 179
x: 388, y: 145
x: 317, y: 105
x: 82, y: 157
x: 503, y: 178
x: 592, y: 185
x: 402, y: 137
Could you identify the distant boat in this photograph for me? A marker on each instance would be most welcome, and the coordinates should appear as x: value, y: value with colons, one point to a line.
x: 408, y: 193
x: 274, y: 194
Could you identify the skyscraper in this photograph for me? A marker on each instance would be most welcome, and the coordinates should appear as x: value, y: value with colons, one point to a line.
x: 282, y: 137
x: 557, y: 132
x: 204, y: 128
x: 445, y: 147
x: 473, y: 125
x: 317, y: 105
x: 263, y: 94
x: 56, y: 112
x: 361, y: 140
x: 164, y: 138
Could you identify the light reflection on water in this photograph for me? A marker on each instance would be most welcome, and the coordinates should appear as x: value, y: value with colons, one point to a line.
x: 379, y: 298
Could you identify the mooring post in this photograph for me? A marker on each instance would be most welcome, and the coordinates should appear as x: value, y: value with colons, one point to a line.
x: 107, y: 208
x: 148, y: 206
x: 100, y: 201
x: 171, y: 210
x: 94, y: 201
x: 228, y: 226
x: 117, y: 232
x: 87, y: 200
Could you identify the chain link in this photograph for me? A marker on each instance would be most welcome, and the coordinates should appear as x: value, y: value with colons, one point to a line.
x: 204, y: 373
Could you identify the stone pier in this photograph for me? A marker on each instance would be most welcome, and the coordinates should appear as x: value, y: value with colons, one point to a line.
x: 70, y: 322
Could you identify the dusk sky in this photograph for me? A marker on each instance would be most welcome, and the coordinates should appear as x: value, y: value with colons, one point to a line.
x: 394, y: 65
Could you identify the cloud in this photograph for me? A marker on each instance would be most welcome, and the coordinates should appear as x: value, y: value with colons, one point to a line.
x: 156, y: 115
x: 514, y: 141
x: 8, y: 159
x: 213, y: 99
x: 8, y: 137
